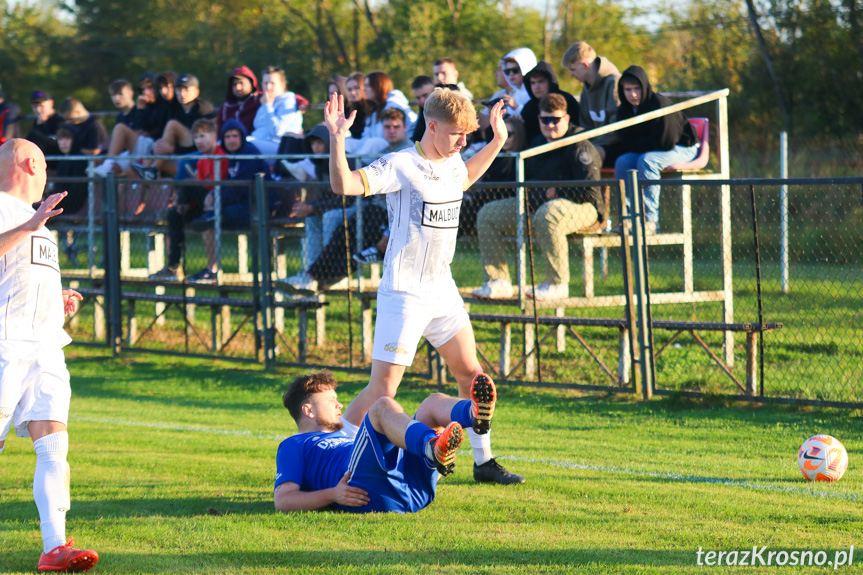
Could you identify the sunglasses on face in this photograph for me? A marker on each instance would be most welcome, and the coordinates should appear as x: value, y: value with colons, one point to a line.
x: 550, y: 120
x: 511, y: 71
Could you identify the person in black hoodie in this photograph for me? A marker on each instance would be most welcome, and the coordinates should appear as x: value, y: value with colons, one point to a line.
x: 556, y: 211
x: 540, y: 82
x: 652, y: 146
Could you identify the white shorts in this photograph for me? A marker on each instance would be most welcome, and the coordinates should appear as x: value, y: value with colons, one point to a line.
x: 34, y: 385
x: 403, y: 318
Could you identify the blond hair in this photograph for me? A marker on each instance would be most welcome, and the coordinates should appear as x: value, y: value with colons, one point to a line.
x: 445, y: 105
x: 578, y: 52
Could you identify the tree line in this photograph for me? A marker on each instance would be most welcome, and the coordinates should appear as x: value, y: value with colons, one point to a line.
x: 790, y: 64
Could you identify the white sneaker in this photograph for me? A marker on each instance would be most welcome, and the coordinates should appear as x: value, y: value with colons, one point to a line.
x: 546, y: 291
x: 302, y: 282
x: 342, y: 284
x: 104, y: 169
x: 495, y: 289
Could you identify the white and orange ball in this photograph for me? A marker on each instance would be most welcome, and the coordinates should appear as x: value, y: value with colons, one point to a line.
x: 822, y: 458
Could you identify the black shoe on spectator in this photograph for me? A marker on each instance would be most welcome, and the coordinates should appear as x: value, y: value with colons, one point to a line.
x: 145, y: 173
x: 205, y: 276
x: 370, y: 255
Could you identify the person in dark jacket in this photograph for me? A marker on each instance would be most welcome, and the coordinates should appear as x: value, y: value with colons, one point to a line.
x: 540, y: 82
x: 654, y: 145
x: 242, y: 99
x: 555, y: 211
x: 236, y: 209
x: 177, y: 137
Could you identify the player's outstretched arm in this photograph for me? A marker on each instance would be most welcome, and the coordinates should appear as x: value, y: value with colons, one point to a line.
x: 46, y: 211
x: 477, y: 165
x: 342, y: 179
x: 288, y: 496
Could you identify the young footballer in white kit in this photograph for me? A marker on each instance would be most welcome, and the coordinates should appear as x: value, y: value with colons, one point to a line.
x: 417, y: 296
x: 34, y: 382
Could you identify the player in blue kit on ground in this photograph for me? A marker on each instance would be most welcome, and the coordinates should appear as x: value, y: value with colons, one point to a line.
x: 392, y: 464
x: 417, y: 296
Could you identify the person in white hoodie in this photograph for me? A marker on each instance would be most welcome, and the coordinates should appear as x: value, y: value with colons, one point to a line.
x: 516, y: 64
x: 280, y: 113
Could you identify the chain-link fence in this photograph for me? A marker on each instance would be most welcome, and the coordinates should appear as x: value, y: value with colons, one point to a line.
x: 297, y: 285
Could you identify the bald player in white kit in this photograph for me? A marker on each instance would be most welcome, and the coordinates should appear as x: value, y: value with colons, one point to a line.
x: 417, y: 296
x: 34, y: 382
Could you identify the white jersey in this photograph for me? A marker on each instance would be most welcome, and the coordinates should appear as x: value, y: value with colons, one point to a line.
x: 31, y: 295
x: 423, y: 205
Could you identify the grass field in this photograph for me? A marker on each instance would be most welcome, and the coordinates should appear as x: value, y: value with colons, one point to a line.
x: 173, y: 461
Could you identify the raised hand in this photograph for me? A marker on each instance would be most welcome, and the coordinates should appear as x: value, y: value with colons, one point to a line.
x: 46, y: 211
x: 334, y: 116
x: 347, y: 495
x: 495, y: 120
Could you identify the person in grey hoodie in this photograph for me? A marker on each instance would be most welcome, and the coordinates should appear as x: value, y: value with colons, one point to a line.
x: 599, y: 96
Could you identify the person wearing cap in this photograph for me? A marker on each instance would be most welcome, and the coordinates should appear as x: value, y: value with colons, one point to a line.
x: 242, y: 99
x: 48, y: 121
x: 177, y: 136
x: 8, y: 118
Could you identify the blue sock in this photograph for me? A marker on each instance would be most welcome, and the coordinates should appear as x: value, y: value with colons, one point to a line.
x: 416, y: 437
x: 461, y: 413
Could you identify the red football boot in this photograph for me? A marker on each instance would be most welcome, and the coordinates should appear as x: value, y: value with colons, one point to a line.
x: 67, y: 558
x: 444, y: 447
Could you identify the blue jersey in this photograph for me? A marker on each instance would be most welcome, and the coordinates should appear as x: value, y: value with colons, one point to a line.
x: 395, y: 480
x: 314, y: 461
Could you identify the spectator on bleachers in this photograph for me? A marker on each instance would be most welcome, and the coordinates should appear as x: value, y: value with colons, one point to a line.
x: 356, y: 100
x: 422, y: 87
x: 156, y: 117
x: 188, y: 202
x: 242, y: 99
x: 236, y: 211
x: 76, y: 198
x: 380, y: 95
x: 9, y: 112
x: 45, y: 126
x: 502, y: 169
x: 556, y: 212
x: 317, y: 229
x: 90, y: 134
x: 279, y: 114
x: 177, y: 136
x: 444, y: 71
x: 505, y: 90
x: 395, y: 133
x: 599, y: 100
x: 516, y: 64
x: 654, y: 145
x: 540, y: 82
x: 130, y: 135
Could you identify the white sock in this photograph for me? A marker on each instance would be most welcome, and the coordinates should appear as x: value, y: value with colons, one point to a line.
x: 51, y: 487
x: 480, y: 445
x: 349, y: 428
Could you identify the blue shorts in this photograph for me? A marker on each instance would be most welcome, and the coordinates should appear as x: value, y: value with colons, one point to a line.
x: 395, y: 480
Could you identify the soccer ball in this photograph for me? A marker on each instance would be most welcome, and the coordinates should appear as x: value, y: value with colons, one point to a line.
x: 822, y: 458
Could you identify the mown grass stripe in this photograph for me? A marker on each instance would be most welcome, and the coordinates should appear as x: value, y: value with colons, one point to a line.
x: 675, y: 477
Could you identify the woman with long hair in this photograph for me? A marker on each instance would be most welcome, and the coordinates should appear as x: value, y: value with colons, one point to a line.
x: 380, y: 95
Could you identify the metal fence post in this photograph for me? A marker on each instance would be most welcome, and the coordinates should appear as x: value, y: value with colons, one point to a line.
x: 264, y: 270
x: 783, y: 212
x: 91, y: 219
x: 111, y: 242
x: 642, y: 293
x: 627, y: 364
x: 530, y: 335
x: 217, y: 212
